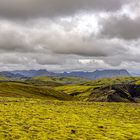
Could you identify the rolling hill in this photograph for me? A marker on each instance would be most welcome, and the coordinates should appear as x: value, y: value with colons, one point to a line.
x: 55, y: 81
x: 123, y: 89
x: 116, y: 89
x: 15, y: 89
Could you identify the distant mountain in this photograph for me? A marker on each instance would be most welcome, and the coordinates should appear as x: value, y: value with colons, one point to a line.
x: 32, y: 73
x: 98, y: 74
x: 110, y: 73
x: 10, y: 74
x: 90, y: 75
x: 27, y: 73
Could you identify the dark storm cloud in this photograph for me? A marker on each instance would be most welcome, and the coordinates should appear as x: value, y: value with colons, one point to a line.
x: 51, y: 8
x: 121, y: 27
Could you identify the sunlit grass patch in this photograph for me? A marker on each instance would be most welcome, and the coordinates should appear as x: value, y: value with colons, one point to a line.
x: 57, y: 120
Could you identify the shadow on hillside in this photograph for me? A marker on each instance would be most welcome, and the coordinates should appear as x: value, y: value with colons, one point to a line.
x: 116, y: 93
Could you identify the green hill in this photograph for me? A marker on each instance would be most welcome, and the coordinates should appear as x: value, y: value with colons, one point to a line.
x: 103, y: 90
x: 79, y: 92
x: 55, y: 81
x: 69, y: 88
x: 15, y: 89
x: 111, y: 81
x: 3, y: 78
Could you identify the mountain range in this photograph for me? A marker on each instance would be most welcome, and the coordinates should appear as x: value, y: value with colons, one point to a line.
x: 89, y: 75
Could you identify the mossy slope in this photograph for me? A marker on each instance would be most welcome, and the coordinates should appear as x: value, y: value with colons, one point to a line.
x: 14, y: 89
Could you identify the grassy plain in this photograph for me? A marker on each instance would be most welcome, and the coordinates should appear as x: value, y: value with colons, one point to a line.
x: 38, y: 119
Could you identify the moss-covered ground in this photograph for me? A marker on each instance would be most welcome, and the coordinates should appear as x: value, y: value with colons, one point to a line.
x: 38, y: 119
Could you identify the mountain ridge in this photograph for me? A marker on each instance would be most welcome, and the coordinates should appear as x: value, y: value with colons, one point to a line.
x: 108, y: 73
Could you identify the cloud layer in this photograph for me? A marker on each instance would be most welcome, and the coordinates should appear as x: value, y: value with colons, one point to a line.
x: 122, y: 27
x: 69, y: 35
x: 51, y: 8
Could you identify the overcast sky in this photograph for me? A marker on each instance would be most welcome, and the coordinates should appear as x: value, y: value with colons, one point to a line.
x: 65, y: 35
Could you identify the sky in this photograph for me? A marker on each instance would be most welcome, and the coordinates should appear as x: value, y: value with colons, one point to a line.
x: 69, y: 35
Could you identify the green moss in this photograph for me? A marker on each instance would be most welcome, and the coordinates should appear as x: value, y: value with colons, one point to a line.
x: 137, y: 82
x: 55, y: 120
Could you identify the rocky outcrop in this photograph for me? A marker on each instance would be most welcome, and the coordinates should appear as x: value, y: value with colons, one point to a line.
x: 116, y: 93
